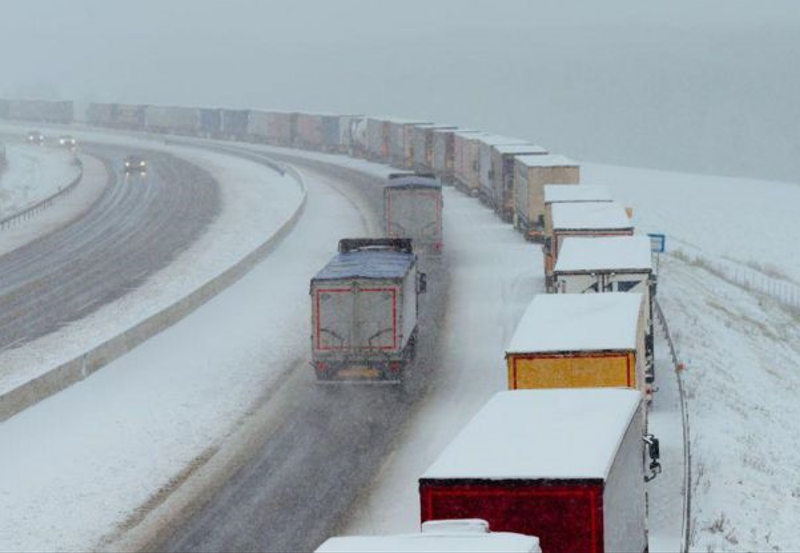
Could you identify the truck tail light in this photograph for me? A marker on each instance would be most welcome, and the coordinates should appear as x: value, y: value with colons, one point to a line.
x: 322, y: 367
x: 395, y: 366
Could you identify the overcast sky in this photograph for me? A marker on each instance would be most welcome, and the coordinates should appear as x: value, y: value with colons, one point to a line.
x: 694, y: 84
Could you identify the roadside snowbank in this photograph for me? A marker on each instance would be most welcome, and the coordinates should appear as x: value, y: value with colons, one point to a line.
x: 33, y: 174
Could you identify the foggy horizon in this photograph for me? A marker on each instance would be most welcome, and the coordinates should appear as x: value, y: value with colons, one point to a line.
x: 670, y: 79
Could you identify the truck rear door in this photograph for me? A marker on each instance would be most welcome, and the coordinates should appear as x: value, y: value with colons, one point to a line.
x: 414, y: 214
x: 376, y: 318
x: 334, y: 319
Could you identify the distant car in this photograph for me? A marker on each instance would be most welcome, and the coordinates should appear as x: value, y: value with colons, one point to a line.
x: 35, y: 137
x: 68, y: 141
x: 135, y: 164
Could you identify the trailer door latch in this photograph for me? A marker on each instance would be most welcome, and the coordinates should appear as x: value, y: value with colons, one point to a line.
x: 654, y: 452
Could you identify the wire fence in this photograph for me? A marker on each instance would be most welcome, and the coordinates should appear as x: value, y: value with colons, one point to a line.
x: 686, y: 523
x: 27, y: 213
x: 776, y: 287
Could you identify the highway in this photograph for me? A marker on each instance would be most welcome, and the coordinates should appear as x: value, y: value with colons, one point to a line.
x: 135, y: 228
x: 300, y: 484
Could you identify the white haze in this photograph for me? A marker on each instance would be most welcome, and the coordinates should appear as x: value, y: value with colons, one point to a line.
x: 706, y: 86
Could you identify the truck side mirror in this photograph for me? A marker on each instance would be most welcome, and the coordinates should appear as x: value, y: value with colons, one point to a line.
x: 422, y: 283
x: 654, y: 452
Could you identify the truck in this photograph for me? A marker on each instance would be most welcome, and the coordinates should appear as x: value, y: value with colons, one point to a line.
x: 465, y: 161
x: 579, y: 341
x: 347, y: 131
x: 587, y: 219
x: 444, y: 152
x: 485, y: 144
x: 559, y: 194
x: 364, y: 311
x: 501, y: 176
x: 400, y: 146
x: 567, y: 466
x: 611, y: 264
x: 234, y: 123
x: 377, y: 139
x: 531, y: 173
x: 442, y: 536
x: 420, y: 156
x: 412, y: 208
x: 210, y: 122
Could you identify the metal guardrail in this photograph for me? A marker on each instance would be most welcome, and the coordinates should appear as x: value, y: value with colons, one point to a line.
x: 686, y: 523
x: 29, y: 212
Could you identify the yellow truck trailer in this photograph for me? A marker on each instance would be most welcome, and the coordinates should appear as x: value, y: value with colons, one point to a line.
x: 579, y: 341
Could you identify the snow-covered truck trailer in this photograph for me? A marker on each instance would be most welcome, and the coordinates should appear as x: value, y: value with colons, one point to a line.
x: 422, y: 137
x: 579, y: 341
x: 364, y: 306
x: 610, y: 264
x: 501, y: 176
x: 412, y: 208
x: 467, y: 162
x: 566, y: 466
x: 586, y: 219
x: 438, y: 536
x: 484, y: 163
x: 210, y: 122
x: 531, y: 173
x: 377, y: 139
x: 234, y: 123
x: 558, y: 194
x: 400, y: 145
x: 444, y: 152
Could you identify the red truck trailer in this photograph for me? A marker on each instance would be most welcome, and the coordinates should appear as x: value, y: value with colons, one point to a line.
x: 566, y: 466
x: 412, y: 207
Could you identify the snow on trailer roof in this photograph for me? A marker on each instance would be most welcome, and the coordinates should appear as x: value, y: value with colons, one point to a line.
x: 436, y: 126
x: 578, y: 322
x: 550, y: 160
x: 414, y: 181
x: 440, y: 536
x: 519, y: 149
x: 554, y: 193
x: 496, y: 139
x: 606, y: 253
x: 590, y: 216
x: 541, y: 434
x: 368, y: 264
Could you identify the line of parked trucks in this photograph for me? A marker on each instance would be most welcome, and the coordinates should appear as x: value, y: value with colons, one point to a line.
x: 558, y: 462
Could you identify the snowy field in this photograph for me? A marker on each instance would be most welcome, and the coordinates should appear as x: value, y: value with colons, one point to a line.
x: 33, y: 174
x: 742, y: 349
